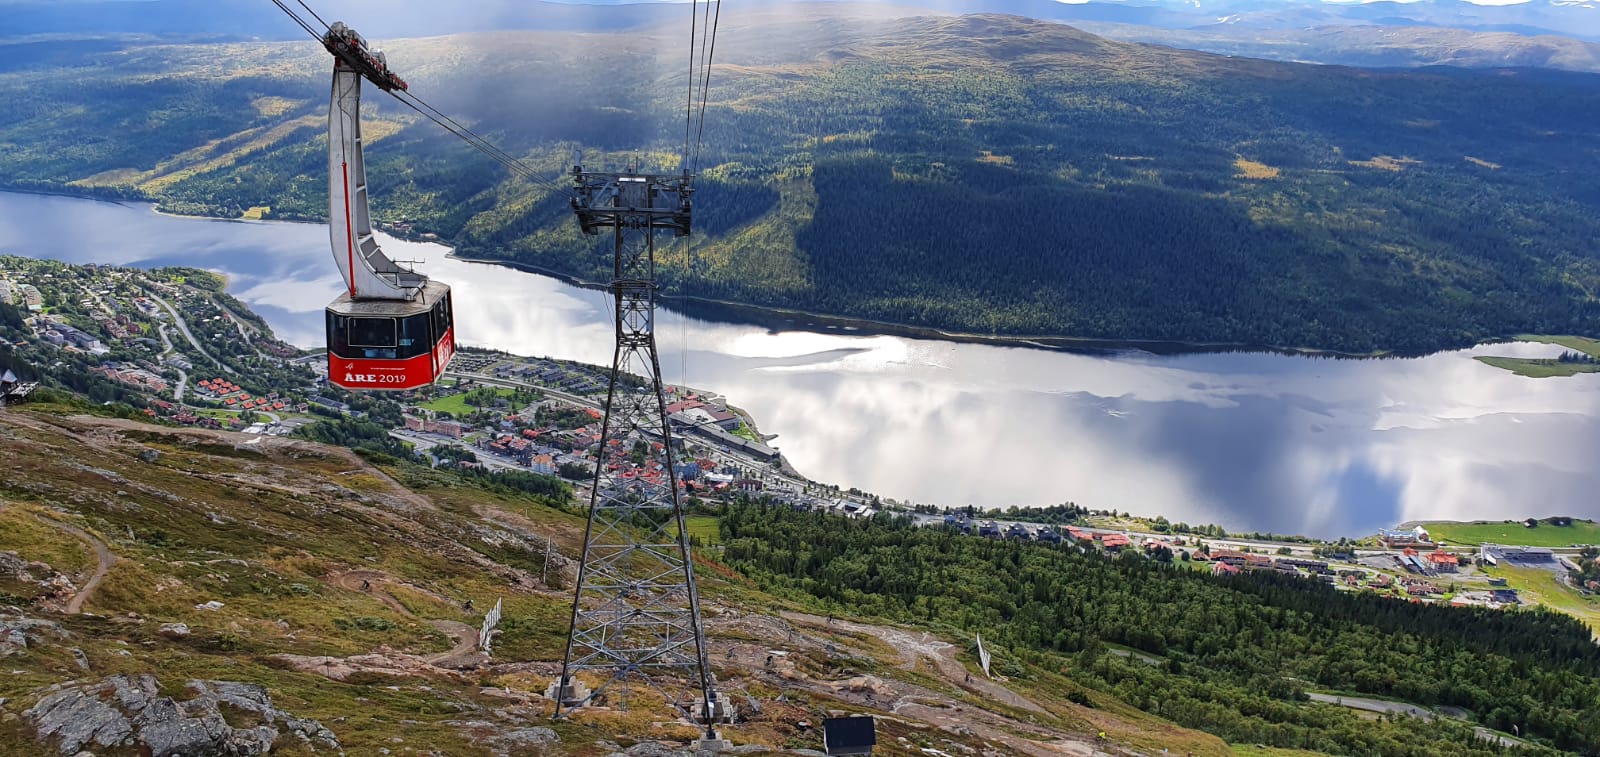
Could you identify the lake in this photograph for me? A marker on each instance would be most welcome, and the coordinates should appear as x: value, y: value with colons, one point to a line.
x: 1253, y: 441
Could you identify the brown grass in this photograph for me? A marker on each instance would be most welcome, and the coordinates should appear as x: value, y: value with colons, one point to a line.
x: 273, y: 106
x: 1249, y: 169
x: 991, y: 158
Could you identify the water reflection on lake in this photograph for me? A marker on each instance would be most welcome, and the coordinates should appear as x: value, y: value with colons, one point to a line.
x: 1251, y: 441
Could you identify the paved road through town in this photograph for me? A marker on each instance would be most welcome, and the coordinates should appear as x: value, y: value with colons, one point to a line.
x: 183, y: 376
x: 184, y: 327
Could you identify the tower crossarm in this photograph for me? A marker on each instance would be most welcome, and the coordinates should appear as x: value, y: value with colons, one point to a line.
x: 639, y: 201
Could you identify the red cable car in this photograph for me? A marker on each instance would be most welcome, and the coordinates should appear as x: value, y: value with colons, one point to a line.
x: 392, y: 328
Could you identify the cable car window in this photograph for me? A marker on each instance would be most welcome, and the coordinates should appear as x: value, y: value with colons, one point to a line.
x: 372, y: 332
x: 336, y: 333
x: 441, y: 316
x: 415, y: 338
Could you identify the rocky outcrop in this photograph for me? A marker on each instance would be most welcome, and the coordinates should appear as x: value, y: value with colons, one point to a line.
x: 384, y: 662
x: 19, y: 632
x: 655, y: 749
x: 866, y: 685
x: 52, y: 585
x: 130, y: 711
x: 504, y: 740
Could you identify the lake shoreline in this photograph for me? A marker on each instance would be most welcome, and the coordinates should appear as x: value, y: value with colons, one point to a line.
x: 1261, y: 441
x: 778, y: 319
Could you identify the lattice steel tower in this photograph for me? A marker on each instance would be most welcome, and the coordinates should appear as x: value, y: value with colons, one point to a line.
x: 636, y: 611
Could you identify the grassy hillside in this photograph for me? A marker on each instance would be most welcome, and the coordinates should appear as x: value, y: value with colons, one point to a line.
x: 342, y: 587
x: 981, y: 173
x: 1513, y: 532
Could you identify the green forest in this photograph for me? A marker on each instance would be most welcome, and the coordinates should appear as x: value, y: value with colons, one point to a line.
x: 986, y: 174
x: 1230, y: 655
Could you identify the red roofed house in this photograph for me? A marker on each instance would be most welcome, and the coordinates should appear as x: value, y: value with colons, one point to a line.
x: 1114, y: 541
x: 1232, y: 557
x: 678, y: 407
x: 1443, y: 562
x: 1224, y: 569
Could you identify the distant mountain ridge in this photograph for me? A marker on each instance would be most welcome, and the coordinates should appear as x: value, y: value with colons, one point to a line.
x: 1373, y: 46
x: 1579, y: 19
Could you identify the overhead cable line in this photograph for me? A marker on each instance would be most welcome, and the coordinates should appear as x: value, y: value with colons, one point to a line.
x: 296, y: 18
x: 456, y: 128
x: 467, y: 135
x: 705, y: 86
x: 313, y: 13
x: 688, y: 105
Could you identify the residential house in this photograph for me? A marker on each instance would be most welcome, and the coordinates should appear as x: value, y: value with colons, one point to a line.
x: 1443, y: 562
x: 1114, y: 542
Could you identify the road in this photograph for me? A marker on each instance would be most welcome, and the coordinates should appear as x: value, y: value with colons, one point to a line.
x: 424, y: 442
x: 239, y: 324
x: 1405, y: 708
x: 183, y: 376
x: 514, y: 384
x: 103, y: 562
x: 184, y: 327
x: 464, y: 636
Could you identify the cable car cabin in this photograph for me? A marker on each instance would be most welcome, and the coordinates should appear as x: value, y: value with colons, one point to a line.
x: 390, y: 344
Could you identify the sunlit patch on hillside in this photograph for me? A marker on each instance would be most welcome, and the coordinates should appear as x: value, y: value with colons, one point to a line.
x: 113, y: 177
x: 1249, y: 169
x: 1387, y: 163
x: 849, y: 138
x: 373, y: 130
x: 256, y: 213
x: 222, y: 153
x: 986, y: 156
x: 272, y: 106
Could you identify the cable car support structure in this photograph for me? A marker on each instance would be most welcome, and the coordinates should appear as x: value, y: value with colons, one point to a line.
x: 636, y: 607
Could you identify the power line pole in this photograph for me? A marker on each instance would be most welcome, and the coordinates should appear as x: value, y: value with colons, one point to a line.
x: 636, y: 610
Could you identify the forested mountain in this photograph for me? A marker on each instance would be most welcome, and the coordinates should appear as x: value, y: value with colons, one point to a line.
x: 981, y: 173
x: 1227, y: 655
x: 1573, y: 18
x: 1373, y: 45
